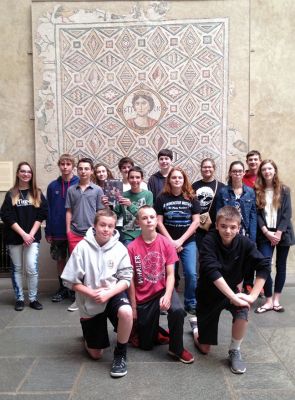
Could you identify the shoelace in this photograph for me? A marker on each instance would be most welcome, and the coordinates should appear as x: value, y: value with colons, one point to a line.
x: 235, y: 354
x: 119, y: 361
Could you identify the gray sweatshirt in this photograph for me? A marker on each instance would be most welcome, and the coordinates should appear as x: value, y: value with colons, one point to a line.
x: 95, y: 267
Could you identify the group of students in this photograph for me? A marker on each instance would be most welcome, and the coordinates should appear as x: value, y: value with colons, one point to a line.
x: 123, y: 261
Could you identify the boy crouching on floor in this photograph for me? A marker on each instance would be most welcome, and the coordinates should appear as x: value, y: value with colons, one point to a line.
x: 152, y: 289
x: 225, y: 258
x: 99, y: 271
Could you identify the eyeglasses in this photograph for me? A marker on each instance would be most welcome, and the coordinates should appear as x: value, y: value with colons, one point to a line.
x: 237, y: 171
x: 22, y: 171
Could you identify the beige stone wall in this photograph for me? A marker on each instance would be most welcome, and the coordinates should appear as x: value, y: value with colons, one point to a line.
x: 268, y: 25
x: 16, y: 94
x: 272, y: 73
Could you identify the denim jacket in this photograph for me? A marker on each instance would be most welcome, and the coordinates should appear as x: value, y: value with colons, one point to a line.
x: 227, y: 197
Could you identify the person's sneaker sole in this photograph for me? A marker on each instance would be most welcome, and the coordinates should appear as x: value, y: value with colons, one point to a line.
x: 73, y: 307
x: 35, y: 305
x: 179, y: 358
x: 57, y: 299
x: 118, y: 374
x: 238, y: 372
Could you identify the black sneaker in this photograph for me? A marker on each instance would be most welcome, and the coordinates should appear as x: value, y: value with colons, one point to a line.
x: 36, y: 305
x: 119, y: 367
x: 190, y: 310
x: 60, y: 295
x: 237, y: 365
x: 19, y: 305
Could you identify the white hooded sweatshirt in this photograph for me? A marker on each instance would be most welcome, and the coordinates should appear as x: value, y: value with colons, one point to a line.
x: 96, y: 266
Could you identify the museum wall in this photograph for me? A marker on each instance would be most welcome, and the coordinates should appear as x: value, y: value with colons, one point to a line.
x: 260, y: 96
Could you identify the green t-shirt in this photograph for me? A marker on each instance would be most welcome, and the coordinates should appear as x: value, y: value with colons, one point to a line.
x: 130, y: 229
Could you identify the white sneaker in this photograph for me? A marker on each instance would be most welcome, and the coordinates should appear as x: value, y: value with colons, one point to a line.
x: 73, y: 307
x: 193, y: 323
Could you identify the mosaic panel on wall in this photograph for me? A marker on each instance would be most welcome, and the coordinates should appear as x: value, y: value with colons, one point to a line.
x: 114, y: 89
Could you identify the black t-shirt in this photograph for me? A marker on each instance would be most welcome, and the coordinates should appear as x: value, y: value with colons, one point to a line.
x: 205, y: 193
x: 24, y: 213
x: 177, y: 214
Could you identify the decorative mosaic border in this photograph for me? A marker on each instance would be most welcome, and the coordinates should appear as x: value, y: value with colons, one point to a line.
x: 93, y: 64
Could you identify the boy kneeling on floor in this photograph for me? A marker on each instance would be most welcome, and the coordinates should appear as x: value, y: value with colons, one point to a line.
x: 99, y: 271
x: 152, y: 289
x: 225, y: 257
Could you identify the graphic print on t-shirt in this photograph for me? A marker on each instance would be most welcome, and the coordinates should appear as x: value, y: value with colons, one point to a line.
x: 130, y: 220
x: 178, y: 213
x: 205, y: 196
x: 152, y: 266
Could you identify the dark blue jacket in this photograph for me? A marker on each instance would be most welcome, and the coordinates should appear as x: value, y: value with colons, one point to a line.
x: 56, y: 197
x: 227, y: 197
x: 155, y: 184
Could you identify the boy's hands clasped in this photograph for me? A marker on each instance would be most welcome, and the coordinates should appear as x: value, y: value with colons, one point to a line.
x: 101, y: 295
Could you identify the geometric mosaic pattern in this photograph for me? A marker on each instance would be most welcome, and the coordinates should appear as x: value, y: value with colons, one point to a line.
x: 97, y: 69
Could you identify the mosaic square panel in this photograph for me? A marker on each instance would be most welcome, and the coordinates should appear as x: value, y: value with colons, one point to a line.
x: 123, y: 87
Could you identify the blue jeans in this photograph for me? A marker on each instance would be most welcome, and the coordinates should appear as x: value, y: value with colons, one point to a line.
x: 281, y: 263
x: 27, y: 258
x: 188, y: 258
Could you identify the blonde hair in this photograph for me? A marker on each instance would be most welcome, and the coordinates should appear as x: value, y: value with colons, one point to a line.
x: 66, y: 157
x: 229, y: 213
x: 106, y: 212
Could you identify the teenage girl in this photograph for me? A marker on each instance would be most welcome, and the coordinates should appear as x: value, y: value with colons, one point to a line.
x: 23, y: 210
x: 101, y: 174
x: 242, y: 197
x: 275, y: 229
x: 178, y: 212
x: 207, y: 190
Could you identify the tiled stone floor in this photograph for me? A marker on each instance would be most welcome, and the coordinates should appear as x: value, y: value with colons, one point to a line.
x: 42, y: 358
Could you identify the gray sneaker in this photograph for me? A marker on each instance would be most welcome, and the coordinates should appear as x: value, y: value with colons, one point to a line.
x: 237, y: 365
x: 119, y: 366
x: 73, y: 307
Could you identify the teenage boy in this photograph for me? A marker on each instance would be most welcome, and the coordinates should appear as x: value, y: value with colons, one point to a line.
x: 82, y: 202
x: 156, y: 181
x: 99, y: 271
x: 124, y: 166
x: 253, y: 160
x: 225, y: 257
x: 131, y: 201
x: 55, y: 230
x: 152, y: 288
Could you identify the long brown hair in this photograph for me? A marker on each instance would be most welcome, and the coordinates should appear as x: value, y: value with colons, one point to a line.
x: 260, y: 186
x: 109, y: 173
x: 186, y: 190
x: 34, y: 191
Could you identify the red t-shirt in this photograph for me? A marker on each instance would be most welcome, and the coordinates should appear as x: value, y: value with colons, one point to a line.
x: 149, y: 262
x: 249, y: 179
